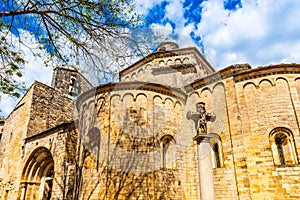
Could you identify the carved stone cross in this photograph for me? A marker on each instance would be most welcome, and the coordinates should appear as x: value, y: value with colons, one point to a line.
x: 206, y: 177
x: 200, y: 117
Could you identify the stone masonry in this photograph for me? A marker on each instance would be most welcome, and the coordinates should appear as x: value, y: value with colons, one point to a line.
x: 133, y: 140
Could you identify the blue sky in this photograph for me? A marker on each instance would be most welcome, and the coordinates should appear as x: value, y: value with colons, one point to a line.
x: 258, y: 32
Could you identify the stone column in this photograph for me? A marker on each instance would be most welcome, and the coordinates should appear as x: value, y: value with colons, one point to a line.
x: 42, y: 188
x: 23, y: 192
x: 205, y: 167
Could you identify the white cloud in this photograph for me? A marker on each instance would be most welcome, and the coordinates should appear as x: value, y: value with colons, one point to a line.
x: 34, y: 68
x: 7, y: 104
x: 163, y: 30
x: 261, y: 32
x: 184, y: 39
x: 174, y: 11
x: 144, y: 6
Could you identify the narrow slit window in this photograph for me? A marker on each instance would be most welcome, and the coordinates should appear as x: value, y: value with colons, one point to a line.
x: 280, y: 150
x: 217, y: 156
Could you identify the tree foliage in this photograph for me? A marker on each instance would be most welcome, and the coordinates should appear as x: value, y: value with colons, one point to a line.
x: 75, y: 32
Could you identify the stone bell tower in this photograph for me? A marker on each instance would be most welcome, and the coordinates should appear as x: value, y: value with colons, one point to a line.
x: 69, y: 82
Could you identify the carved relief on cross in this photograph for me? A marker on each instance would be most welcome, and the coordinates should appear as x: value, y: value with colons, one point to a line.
x: 200, y: 118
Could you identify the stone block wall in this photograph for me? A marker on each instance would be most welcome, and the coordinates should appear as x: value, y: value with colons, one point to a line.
x: 133, y: 140
x: 266, y: 104
x: 49, y: 108
x: 12, y: 142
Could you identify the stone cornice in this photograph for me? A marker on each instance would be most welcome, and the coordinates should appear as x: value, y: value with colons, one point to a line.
x: 243, y: 72
x: 182, y: 68
x: 216, y: 76
x: 162, y: 54
x: 50, y: 131
x: 142, y: 86
x: 266, y: 71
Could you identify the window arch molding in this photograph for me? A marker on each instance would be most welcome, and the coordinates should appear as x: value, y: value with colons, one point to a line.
x: 283, y: 146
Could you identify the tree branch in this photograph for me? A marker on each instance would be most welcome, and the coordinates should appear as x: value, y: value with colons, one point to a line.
x: 26, y: 12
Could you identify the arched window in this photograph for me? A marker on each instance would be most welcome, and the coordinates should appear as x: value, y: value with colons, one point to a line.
x: 283, y: 146
x: 216, y: 154
x: 74, y: 87
x: 165, y: 143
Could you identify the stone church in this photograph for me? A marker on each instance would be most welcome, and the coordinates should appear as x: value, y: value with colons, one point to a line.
x: 171, y: 128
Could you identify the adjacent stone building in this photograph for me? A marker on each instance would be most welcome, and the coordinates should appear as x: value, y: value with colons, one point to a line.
x: 171, y: 128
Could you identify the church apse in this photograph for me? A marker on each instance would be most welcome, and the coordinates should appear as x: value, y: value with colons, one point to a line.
x: 131, y: 120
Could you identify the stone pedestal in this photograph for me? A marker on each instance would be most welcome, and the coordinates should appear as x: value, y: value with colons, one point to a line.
x: 205, y: 167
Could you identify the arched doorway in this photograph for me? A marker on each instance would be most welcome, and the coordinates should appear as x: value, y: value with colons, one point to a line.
x: 37, y: 176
